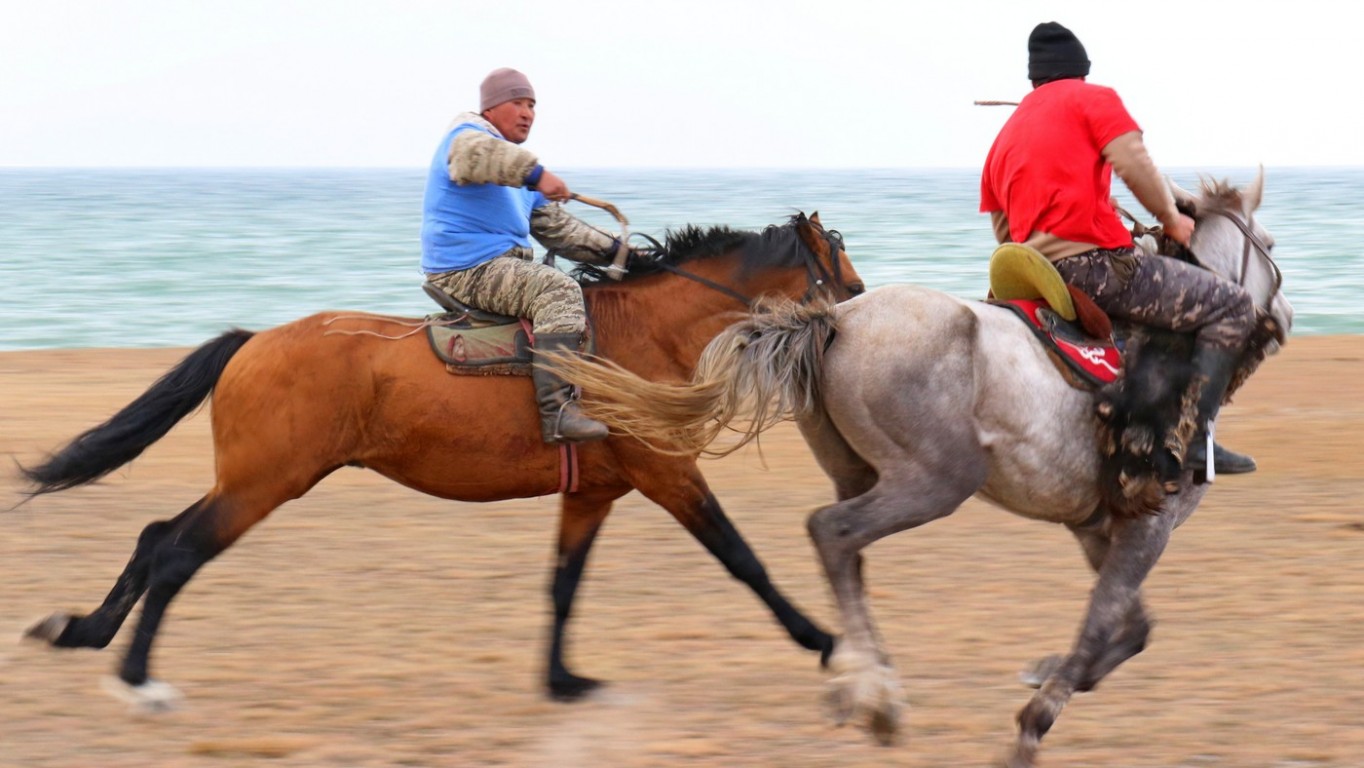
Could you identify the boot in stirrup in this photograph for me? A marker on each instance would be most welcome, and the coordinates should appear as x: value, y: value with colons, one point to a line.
x: 560, y: 419
x: 1224, y: 460
x: 1215, y: 367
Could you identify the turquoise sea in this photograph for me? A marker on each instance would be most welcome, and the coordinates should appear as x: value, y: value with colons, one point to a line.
x: 149, y: 258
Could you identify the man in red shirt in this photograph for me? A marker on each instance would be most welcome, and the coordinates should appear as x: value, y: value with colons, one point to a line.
x: 1047, y: 184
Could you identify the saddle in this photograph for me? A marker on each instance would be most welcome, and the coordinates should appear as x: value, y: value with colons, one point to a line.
x: 1076, y: 334
x: 475, y: 342
x: 1139, y: 377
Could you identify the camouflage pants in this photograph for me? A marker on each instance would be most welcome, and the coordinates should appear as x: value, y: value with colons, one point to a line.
x: 513, y: 284
x: 1165, y: 293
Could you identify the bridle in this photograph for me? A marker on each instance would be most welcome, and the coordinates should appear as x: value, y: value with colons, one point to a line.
x: 1251, y: 240
x: 817, y: 276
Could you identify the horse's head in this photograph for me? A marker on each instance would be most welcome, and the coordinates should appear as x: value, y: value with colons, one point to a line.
x: 1229, y: 241
x: 830, y: 272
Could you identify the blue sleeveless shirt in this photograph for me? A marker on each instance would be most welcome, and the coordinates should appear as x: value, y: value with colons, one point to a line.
x: 466, y: 225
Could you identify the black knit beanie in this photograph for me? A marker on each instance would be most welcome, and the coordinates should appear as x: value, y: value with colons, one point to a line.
x: 1055, y: 53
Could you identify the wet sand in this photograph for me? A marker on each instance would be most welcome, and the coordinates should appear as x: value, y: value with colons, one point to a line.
x: 368, y: 625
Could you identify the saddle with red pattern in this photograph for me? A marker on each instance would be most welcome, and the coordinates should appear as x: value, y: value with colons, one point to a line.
x: 1086, y: 362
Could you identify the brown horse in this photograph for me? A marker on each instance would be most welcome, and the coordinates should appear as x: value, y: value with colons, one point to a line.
x: 295, y: 403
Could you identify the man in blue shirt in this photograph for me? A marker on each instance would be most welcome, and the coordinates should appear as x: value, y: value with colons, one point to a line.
x: 486, y: 197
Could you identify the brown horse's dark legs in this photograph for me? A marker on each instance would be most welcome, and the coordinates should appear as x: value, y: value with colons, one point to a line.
x: 98, y: 629
x: 580, y: 519
x: 174, y: 561
x: 708, y: 523
x: 201, y: 533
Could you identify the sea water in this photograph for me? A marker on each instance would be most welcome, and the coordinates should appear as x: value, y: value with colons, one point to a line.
x: 150, y: 258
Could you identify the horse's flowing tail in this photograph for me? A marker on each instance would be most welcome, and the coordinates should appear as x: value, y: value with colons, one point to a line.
x: 758, y: 372
x: 102, y: 449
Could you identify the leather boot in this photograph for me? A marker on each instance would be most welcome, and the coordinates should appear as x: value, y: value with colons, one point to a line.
x: 1224, y: 461
x: 560, y: 419
x: 1214, y: 366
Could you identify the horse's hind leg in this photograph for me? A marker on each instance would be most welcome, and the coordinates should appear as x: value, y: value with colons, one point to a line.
x: 906, y: 496
x: 580, y: 518
x: 97, y: 629
x: 204, y: 532
x: 1136, y: 546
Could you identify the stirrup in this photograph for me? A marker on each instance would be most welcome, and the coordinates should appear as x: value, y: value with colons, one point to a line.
x: 595, y: 434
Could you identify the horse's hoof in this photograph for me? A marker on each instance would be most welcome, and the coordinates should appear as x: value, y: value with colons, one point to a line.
x: 151, y: 697
x: 885, y: 725
x: 572, y: 687
x: 837, y: 703
x: 49, y: 629
x: 1021, y: 757
x: 869, y: 691
x: 1037, y: 675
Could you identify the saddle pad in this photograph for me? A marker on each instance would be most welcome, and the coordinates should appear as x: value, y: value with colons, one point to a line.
x: 1096, y: 361
x: 480, y: 350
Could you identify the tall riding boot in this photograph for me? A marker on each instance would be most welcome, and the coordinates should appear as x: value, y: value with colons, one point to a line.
x: 560, y: 419
x: 1215, y: 367
x: 1228, y: 462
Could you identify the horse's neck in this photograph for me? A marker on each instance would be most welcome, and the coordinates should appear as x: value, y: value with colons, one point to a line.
x: 658, y: 328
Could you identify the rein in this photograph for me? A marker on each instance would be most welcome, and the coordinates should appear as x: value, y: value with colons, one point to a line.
x: 1251, y: 239
x: 1139, y: 229
x: 816, y: 274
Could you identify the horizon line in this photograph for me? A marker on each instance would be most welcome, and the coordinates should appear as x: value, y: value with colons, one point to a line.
x: 640, y: 168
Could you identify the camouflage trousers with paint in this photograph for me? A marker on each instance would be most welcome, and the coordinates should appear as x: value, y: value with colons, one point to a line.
x: 513, y: 284
x: 1163, y: 292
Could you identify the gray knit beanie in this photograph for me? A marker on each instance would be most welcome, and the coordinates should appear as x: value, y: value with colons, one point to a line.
x: 502, y: 85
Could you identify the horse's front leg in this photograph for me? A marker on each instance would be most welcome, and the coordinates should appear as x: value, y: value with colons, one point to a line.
x: 682, y: 491
x: 1096, y: 540
x: 580, y: 518
x: 1136, y: 545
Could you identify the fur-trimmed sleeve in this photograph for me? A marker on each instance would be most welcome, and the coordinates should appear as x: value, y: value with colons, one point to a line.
x: 481, y: 158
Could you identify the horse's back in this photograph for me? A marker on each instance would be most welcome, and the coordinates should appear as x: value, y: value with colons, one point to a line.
x: 338, y: 388
x: 921, y: 367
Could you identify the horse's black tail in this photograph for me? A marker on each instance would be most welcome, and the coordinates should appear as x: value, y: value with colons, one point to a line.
x: 102, y: 449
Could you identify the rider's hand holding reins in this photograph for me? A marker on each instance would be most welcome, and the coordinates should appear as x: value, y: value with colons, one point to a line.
x: 553, y: 187
x: 1180, y: 229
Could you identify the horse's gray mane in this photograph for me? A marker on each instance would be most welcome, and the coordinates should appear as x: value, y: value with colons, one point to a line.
x: 1220, y: 194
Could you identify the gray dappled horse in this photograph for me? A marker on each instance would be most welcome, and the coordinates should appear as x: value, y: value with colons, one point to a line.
x: 913, y: 407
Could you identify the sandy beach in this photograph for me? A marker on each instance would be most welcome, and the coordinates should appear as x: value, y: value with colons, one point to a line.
x: 368, y: 625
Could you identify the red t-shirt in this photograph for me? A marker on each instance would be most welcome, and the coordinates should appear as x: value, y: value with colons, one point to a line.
x: 1046, y: 170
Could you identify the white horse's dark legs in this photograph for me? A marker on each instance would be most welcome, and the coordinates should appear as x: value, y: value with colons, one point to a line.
x: 865, y: 684
x: 1131, y: 637
x: 1136, y: 545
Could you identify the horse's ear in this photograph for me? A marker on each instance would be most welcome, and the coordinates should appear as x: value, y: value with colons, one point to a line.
x: 1255, y: 192
x: 814, y: 219
x: 1184, y: 200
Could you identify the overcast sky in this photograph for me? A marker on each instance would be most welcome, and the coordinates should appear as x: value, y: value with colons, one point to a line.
x: 655, y: 83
